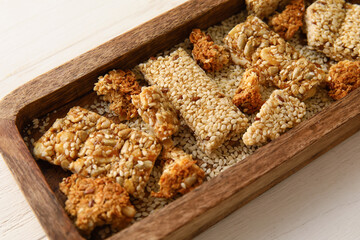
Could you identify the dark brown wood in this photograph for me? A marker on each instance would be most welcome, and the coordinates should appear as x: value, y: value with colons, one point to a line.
x: 33, y: 184
x: 71, y: 83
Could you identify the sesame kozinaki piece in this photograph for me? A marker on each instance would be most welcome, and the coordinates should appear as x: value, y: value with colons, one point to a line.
x: 347, y: 45
x: 120, y: 152
x: 180, y: 173
x: 280, y: 112
x: 117, y: 87
x: 202, y: 104
x: 247, y: 96
x: 210, y: 56
x: 96, y: 202
x: 157, y: 111
x: 333, y: 27
x: 288, y: 22
x: 61, y: 143
x: 253, y: 44
x: 344, y: 77
x: 323, y: 20
x: 262, y: 8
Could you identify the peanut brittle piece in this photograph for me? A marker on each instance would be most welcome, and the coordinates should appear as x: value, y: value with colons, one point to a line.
x: 202, y: 104
x: 210, y: 56
x: 288, y: 22
x: 156, y: 110
x: 180, y: 173
x: 344, y: 77
x: 262, y: 8
x: 97, y: 202
x: 61, y: 143
x: 280, y: 112
x: 253, y: 44
x: 117, y: 87
x: 125, y: 154
x: 247, y: 96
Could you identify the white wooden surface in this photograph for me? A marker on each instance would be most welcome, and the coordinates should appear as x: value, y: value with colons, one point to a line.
x: 322, y: 201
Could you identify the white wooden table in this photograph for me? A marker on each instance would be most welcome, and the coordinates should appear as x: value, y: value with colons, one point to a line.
x: 322, y: 201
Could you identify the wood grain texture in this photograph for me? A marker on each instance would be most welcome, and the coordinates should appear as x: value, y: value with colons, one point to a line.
x: 33, y: 184
x: 259, y: 173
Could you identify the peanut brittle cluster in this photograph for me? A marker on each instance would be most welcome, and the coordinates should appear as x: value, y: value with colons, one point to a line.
x: 253, y: 44
x: 262, y: 8
x: 122, y: 153
x: 107, y: 149
x: 97, y: 202
x: 156, y: 110
x: 344, y: 77
x: 288, y: 22
x: 210, y: 56
x: 117, y: 87
x: 61, y: 143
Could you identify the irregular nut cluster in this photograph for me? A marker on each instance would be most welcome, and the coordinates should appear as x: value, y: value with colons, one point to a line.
x: 253, y: 44
x: 262, y: 8
x: 180, y: 173
x: 61, y: 143
x: 201, y: 103
x: 344, y: 77
x: 288, y: 22
x: 97, y: 202
x: 280, y: 112
x: 333, y: 27
x: 117, y: 87
x: 98, y: 147
x: 156, y: 110
x: 125, y: 154
x: 210, y: 56
x: 247, y: 96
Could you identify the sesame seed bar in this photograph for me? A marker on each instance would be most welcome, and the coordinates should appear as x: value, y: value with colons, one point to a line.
x: 280, y: 112
x: 97, y: 202
x: 61, y: 143
x: 253, y: 44
x: 247, y: 96
x: 202, y: 104
x: 344, y: 77
x: 347, y: 45
x: 288, y: 22
x: 156, y: 110
x: 126, y: 154
x: 262, y: 8
x: 180, y: 173
x: 323, y: 19
x: 210, y: 56
x: 117, y: 87
x: 333, y: 27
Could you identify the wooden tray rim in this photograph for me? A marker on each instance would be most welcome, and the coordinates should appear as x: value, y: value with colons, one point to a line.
x: 245, y: 180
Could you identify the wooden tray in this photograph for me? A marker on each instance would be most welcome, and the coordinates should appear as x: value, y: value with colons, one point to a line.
x: 199, y: 209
